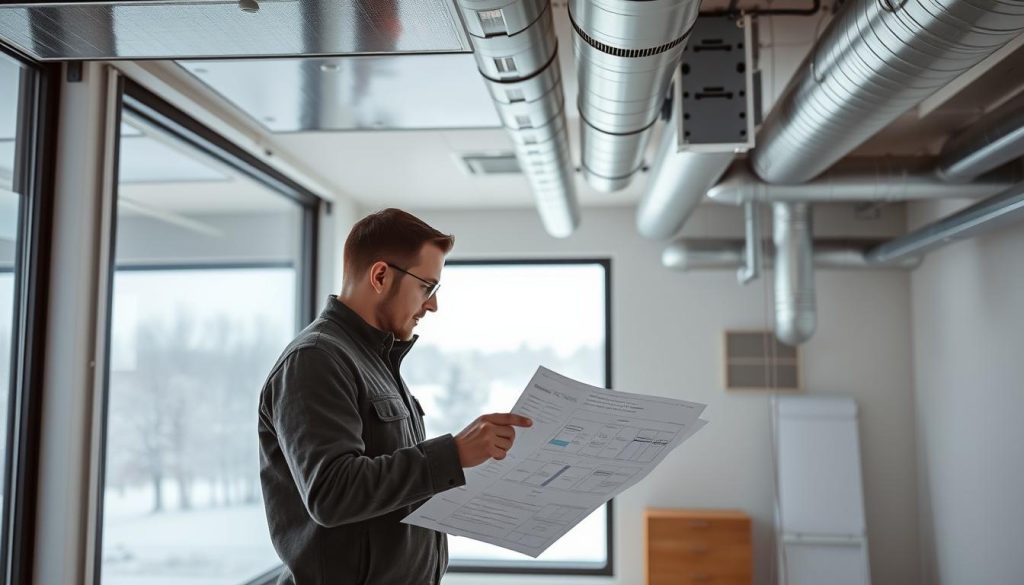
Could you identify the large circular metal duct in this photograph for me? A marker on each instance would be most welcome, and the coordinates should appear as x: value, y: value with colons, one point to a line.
x: 877, y: 59
x: 516, y: 51
x: 626, y: 51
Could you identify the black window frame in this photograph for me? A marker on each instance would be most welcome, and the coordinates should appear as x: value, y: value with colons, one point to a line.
x: 556, y: 568
x: 143, y: 104
x: 34, y: 169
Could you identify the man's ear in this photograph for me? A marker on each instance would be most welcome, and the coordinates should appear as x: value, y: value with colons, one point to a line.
x: 378, y: 276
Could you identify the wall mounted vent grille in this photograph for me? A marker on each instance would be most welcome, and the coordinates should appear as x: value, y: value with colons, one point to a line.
x: 756, y: 360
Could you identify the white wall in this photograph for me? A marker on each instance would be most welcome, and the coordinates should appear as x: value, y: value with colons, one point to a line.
x: 968, y: 324
x: 667, y: 331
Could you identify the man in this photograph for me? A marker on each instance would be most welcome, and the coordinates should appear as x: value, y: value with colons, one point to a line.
x: 343, y: 456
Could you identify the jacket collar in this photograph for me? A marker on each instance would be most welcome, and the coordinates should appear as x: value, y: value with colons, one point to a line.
x: 383, y: 343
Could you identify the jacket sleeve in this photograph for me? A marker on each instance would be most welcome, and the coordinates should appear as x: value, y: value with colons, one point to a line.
x: 315, y: 413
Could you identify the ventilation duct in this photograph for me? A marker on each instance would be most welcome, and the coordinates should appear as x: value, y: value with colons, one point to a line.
x: 516, y: 51
x: 728, y: 254
x: 862, y: 179
x: 877, y: 59
x: 795, y: 310
x: 678, y: 182
x: 996, y: 139
x: 980, y: 218
x: 626, y: 52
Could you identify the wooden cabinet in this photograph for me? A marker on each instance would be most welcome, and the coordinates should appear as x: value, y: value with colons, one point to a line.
x: 697, y: 546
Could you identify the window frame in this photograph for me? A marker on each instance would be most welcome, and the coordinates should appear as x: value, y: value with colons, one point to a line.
x: 141, y: 103
x: 34, y: 170
x: 554, y: 567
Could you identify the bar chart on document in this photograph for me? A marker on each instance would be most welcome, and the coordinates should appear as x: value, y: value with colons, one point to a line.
x: 586, y: 446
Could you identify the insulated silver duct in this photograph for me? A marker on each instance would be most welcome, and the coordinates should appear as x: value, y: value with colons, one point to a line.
x: 876, y: 60
x: 862, y: 179
x: 626, y: 52
x: 677, y: 184
x: 995, y: 139
x: 516, y: 51
x: 795, y: 306
x: 715, y: 254
x: 980, y: 218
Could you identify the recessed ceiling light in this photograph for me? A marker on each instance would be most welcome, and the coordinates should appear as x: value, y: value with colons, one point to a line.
x: 328, y: 67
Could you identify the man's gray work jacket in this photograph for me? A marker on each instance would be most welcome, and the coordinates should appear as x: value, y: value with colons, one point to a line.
x: 343, y: 458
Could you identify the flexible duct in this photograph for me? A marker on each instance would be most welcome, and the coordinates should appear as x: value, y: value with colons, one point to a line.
x: 877, y: 59
x: 516, y: 51
x: 995, y: 139
x: 862, y: 179
x: 795, y: 307
x: 728, y: 254
x: 626, y: 52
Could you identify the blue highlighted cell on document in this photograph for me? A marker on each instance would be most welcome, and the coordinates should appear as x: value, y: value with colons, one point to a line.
x: 559, y: 442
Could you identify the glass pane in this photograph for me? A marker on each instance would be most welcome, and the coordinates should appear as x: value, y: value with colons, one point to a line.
x: 464, y: 366
x: 204, y: 297
x: 10, y: 88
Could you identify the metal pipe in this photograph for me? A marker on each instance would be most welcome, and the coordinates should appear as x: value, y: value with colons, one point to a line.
x: 729, y: 254
x: 795, y: 304
x: 752, y: 259
x: 626, y: 52
x: 992, y: 141
x: 862, y: 179
x: 980, y: 218
x: 876, y: 60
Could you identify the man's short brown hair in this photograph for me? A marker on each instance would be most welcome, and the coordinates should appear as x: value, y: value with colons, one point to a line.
x: 391, y: 235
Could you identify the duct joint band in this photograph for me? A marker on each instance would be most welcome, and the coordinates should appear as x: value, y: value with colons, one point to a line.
x: 629, y: 53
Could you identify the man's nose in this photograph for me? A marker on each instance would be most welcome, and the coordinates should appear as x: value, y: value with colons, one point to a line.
x: 431, y: 304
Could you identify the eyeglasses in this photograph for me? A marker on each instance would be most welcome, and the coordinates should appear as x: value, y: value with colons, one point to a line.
x: 430, y: 287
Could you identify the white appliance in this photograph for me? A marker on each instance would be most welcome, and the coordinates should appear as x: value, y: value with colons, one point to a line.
x: 819, y: 520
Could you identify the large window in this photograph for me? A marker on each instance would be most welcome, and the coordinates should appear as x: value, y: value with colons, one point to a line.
x: 10, y: 90
x: 495, y: 324
x: 211, y: 281
x: 10, y: 200
x: 27, y: 99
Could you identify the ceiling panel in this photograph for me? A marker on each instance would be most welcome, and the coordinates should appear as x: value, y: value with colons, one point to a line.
x: 392, y: 92
x: 211, y: 28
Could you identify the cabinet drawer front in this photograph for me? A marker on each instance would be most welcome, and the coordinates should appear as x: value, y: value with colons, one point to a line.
x: 720, y: 530
x: 699, y: 578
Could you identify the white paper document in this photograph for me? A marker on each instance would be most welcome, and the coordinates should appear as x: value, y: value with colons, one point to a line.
x: 586, y: 446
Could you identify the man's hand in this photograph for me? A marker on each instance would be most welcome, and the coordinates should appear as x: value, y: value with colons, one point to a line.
x: 490, y: 435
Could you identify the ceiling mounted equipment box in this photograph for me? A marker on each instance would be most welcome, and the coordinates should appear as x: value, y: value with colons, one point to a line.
x: 50, y: 31
x: 716, y: 86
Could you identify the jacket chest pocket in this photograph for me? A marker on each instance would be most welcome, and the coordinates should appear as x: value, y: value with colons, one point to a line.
x: 390, y: 427
x: 390, y: 408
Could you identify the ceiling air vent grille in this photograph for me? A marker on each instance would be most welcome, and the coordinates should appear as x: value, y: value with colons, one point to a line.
x: 491, y: 164
x: 756, y: 360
